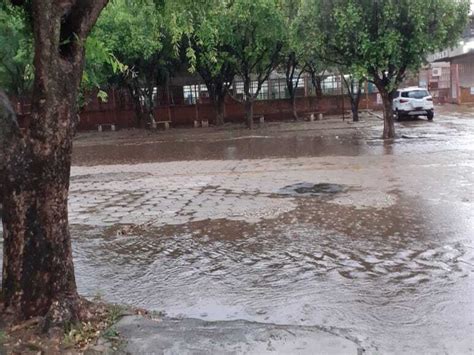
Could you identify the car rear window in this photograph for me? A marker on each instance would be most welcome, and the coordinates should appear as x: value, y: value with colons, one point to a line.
x: 415, y: 94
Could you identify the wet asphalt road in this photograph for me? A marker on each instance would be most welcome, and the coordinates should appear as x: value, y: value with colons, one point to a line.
x: 215, y: 224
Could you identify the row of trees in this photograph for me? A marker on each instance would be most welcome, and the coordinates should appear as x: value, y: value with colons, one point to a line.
x: 379, y: 41
x: 138, y: 44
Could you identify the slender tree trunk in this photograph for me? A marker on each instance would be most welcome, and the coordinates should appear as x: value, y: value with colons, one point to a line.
x: 217, y: 93
x: 219, y: 109
x: 293, y: 106
x: 137, y: 106
x: 319, y: 87
x: 150, y: 108
x: 291, y: 64
x: 389, y: 125
x: 248, y: 102
x: 149, y: 98
x: 38, y: 271
x: 249, y: 112
x: 317, y: 83
x: 355, y: 110
x: 355, y: 96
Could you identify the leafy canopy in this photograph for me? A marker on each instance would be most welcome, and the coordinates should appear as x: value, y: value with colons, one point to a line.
x: 16, y: 51
x: 259, y: 28
x: 386, y: 38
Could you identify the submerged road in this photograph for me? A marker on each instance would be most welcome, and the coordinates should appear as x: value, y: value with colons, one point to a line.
x: 309, y: 224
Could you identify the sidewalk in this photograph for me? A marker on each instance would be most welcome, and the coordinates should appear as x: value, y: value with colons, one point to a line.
x: 192, y: 336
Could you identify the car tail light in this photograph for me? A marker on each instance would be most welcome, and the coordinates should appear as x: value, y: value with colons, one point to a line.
x: 403, y: 101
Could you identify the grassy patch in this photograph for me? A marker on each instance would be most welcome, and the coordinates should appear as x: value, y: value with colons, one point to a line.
x: 3, y: 337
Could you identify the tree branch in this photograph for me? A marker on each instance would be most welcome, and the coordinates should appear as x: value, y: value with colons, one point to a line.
x: 81, y: 15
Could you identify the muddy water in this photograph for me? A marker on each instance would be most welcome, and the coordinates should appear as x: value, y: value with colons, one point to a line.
x: 355, y: 272
x: 397, y: 277
x: 337, y: 140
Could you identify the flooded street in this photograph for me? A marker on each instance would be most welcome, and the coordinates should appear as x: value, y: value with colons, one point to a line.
x: 311, y: 224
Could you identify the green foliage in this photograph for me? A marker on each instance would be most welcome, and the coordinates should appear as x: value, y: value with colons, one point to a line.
x: 209, y: 52
x: 294, y: 50
x: 16, y: 54
x: 130, y: 29
x: 3, y: 337
x: 211, y: 36
x: 101, y: 63
x: 296, y: 40
x: 259, y: 30
x: 386, y: 38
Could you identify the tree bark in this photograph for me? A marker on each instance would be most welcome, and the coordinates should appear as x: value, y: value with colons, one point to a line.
x: 249, y: 112
x: 318, y: 85
x: 355, y: 111
x: 137, y: 106
x: 291, y: 65
x: 354, y: 96
x: 389, y: 125
x: 293, y: 107
x: 220, y: 110
x: 38, y: 271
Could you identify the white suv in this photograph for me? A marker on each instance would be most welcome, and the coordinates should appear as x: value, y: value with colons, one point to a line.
x: 413, y: 102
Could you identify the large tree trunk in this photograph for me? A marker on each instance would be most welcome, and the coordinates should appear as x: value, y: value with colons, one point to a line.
x: 38, y: 272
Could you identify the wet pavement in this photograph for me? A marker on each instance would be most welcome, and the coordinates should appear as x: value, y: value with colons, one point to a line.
x: 317, y: 224
x: 194, y: 336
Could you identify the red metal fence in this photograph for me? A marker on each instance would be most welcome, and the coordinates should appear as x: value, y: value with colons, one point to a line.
x: 119, y: 110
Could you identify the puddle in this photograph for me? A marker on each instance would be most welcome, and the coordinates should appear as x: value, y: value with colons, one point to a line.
x: 310, y: 189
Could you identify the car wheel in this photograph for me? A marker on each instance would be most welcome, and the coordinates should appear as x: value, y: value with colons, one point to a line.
x: 399, y: 116
x: 430, y: 115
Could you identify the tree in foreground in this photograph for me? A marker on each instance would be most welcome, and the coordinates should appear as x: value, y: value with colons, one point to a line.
x: 38, y: 273
x: 258, y: 29
x: 387, y: 38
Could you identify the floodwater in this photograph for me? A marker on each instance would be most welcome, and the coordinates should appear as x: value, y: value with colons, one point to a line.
x: 274, y: 141
x: 371, y: 241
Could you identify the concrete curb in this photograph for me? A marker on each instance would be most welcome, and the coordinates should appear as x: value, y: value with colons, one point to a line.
x: 193, y: 336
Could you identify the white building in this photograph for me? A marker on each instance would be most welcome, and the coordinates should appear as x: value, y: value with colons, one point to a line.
x: 456, y: 63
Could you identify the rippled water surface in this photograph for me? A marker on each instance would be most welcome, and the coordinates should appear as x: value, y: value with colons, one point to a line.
x: 406, y: 292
